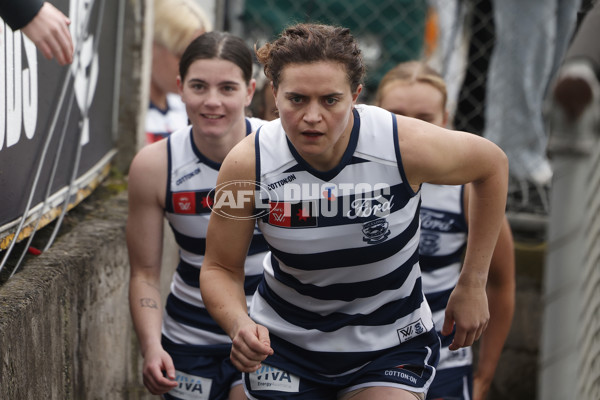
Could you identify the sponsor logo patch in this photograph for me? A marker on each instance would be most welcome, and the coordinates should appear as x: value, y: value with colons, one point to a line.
x: 436, y: 221
x: 281, y: 182
x: 191, y: 387
x: 411, y: 330
x: 407, y: 372
x: 292, y: 215
x: 271, y: 378
x: 187, y: 176
x: 184, y: 202
x: 191, y: 202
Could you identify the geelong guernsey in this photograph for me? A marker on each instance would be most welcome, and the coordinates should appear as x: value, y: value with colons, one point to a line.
x: 443, y: 241
x: 191, y: 178
x: 343, y: 284
x: 160, y: 123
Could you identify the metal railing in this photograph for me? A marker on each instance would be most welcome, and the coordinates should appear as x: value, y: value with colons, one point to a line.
x: 570, y: 346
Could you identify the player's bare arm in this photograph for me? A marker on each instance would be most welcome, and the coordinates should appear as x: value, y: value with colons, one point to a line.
x: 222, y: 275
x: 458, y: 159
x: 147, y: 187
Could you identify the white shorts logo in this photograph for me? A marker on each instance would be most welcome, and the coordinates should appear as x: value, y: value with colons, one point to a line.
x: 191, y: 387
x: 271, y: 378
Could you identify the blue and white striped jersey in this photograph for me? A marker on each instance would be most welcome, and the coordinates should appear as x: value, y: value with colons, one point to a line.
x: 191, y: 178
x: 343, y: 284
x: 443, y: 241
x: 161, y: 123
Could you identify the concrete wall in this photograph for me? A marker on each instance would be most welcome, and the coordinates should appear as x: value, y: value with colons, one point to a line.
x: 516, y: 375
x: 65, y: 329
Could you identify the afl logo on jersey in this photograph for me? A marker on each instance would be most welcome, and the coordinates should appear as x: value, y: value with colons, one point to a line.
x: 376, y: 231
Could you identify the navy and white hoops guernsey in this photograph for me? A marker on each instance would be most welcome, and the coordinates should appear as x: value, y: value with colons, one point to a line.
x: 161, y: 123
x: 191, y: 177
x: 443, y: 241
x: 343, y: 285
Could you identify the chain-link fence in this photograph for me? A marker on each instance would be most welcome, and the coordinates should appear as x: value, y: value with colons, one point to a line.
x: 389, y: 31
x: 497, y: 57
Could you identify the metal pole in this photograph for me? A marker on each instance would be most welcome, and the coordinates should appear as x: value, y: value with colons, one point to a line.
x: 572, y: 147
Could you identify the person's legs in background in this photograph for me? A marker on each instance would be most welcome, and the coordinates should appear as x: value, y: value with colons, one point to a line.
x: 531, y: 39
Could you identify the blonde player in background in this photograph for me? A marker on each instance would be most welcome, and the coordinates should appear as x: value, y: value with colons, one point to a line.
x: 415, y: 90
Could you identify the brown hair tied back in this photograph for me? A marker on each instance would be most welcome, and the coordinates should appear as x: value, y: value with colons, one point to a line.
x: 308, y: 43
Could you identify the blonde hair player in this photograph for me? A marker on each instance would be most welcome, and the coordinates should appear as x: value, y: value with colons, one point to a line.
x: 176, y: 24
x: 415, y: 90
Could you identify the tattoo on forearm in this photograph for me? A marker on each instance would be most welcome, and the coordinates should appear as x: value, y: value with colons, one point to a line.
x: 148, y: 302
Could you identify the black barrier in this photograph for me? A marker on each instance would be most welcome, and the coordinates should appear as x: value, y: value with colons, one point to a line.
x: 57, y: 124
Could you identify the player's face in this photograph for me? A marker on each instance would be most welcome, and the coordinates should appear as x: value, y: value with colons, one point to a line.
x: 315, y: 106
x: 416, y: 100
x: 215, y: 95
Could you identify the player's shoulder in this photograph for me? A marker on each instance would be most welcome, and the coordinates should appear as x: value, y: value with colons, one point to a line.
x: 240, y: 161
x: 150, y: 159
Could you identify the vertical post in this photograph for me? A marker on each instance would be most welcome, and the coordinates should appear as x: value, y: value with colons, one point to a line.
x: 573, y: 143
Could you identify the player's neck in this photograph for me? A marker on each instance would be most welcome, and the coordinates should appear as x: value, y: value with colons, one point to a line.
x: 158, y: 97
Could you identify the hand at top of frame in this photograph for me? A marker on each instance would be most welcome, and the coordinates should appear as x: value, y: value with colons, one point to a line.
x: 49, y: 30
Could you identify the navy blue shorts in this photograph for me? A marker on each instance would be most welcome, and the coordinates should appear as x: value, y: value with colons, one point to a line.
x: 203, y: 372
x: 409, y: 366
x: 452, y: 384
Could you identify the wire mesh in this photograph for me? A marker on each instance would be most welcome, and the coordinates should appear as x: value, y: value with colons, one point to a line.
x: 497, y: 58
x: 389, y: 31
x: 589, y: 338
